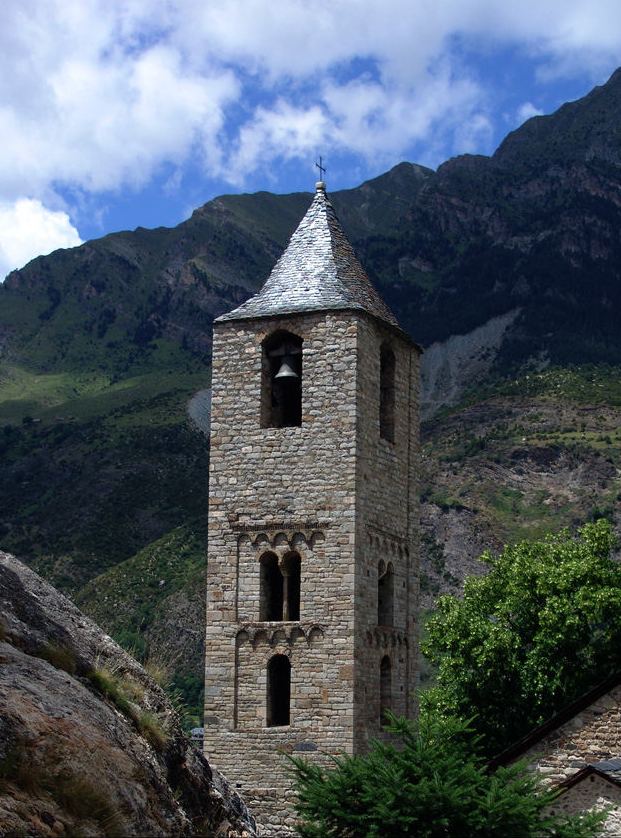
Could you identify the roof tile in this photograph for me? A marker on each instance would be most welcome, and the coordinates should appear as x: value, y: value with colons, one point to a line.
x: 318, y: 270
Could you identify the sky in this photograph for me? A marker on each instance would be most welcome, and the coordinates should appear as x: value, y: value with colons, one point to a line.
x: 116, y: 114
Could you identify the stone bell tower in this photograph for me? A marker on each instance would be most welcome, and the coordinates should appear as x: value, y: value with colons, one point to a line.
x: 312, y: 583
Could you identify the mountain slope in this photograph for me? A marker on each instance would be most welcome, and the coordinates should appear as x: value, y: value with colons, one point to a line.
x: 505, y: 267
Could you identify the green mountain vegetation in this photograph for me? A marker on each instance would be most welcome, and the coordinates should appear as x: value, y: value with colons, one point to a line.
x: 104, y: 479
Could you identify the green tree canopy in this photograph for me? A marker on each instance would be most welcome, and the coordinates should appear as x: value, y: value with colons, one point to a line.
x: 540, y: 629
x: 430, y: 784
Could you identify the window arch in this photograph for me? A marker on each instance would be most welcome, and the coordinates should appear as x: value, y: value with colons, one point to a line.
x: 385, y: 687
x: 387, y: 393
x: 291, y: 572
x: 271, y: 588
x: 279, y: 587
x: 385, y: 594
x: 278, y: 706
x: 281, y: 381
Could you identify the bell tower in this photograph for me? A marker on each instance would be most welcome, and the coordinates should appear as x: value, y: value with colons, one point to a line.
x: 312, y: 580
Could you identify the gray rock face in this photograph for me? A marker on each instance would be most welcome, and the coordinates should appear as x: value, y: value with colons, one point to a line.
x: 450, y: 367
x: 88, y: 742
x: 199, y: 410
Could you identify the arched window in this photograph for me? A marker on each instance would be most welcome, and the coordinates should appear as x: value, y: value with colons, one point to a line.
x: 279, y: 594
x: 291, y: 567
x: 271, y: 589
x: 385, y: 594
x: 278, y: 691
x: 385, y: 687
x: 281, y: 381
x: 387, y: 393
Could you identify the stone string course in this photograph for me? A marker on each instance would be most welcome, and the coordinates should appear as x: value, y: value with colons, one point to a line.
x: 344, y: 499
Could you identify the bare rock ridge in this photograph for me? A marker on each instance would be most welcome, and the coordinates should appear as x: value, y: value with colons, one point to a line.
x: 88, y: 741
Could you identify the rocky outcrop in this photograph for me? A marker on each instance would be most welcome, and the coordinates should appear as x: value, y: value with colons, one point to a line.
x: 89, y: 743
x: 450, y: 367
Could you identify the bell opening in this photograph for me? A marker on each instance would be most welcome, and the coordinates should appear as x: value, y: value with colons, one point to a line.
x: 281, y: 398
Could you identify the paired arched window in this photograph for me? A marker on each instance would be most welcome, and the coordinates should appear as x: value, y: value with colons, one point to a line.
x: 271, y: 588
x: 279, y: 595
x: 385, y: 687
x: 291, y: 572
x: 278, y: 691
x: 281, y: 381
x: 385, y: 594
x: 387, y: 393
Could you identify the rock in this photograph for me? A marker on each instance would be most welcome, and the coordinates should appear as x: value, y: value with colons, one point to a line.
x: 88, y: 742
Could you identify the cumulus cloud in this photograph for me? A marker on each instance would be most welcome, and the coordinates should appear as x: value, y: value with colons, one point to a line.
x: 98, y: 96
x: 28, y: 229
x: 526, y: 110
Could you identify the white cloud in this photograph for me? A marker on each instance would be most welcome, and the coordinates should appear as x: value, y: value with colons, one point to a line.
x: 526, y: 110
x: 28, y: 229
x: 282, y: 131
x: 98, y: 96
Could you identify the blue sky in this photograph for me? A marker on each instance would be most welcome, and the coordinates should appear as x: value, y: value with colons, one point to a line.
x: 117, y: 114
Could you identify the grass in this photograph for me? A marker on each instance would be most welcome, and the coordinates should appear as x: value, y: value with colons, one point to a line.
x: 83, y: 396
x: 77, y: 796
x: 110, y: 687
x: 121, y: 691
x: 151, y: 728
x: 587, y: 384
x: 59, y: 656
x: 80, y: 798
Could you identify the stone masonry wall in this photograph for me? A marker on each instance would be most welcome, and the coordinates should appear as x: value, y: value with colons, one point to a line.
x: 387, y: 529
x: 590, y: 736
x: 340, y: 497
x: 593, y: 793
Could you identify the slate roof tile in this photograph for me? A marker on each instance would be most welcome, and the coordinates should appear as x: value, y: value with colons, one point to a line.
x: 318, y: 271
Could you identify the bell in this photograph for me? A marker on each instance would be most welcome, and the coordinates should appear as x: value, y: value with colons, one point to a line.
x: 286, y: 370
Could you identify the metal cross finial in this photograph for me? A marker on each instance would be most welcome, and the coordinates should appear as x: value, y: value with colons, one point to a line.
x: 321, y: 167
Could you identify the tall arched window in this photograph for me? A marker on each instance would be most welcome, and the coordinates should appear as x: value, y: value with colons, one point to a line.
x: 385, y: 594
x: 271, y: 589
x: 387, y: 393
x: 278, y: 691
x: 291, y: 569
x: 281, y: 381
x: 279, y: 593
x: 385, y: 687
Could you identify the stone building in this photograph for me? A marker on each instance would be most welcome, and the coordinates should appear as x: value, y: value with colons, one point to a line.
x: 312, y: 585
x: 578, y: 752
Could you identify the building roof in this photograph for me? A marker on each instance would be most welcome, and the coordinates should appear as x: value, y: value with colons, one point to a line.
x: 318, y: 271
x: 520, y: 747
x: 609, y: 769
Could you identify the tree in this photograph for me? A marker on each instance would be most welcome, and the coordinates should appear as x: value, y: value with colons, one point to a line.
x: 430, y: 783
x: 540, y: 629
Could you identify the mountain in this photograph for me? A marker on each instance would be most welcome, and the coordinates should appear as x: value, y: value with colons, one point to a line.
x: 506, y: 268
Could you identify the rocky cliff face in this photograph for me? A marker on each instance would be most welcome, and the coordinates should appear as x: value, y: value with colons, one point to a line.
x: 89, y: 744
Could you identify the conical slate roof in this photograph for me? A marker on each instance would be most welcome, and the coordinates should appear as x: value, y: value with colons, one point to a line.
x: 318, y: 271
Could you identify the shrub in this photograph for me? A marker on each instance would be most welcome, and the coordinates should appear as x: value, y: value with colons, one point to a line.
x: 432, y: 782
